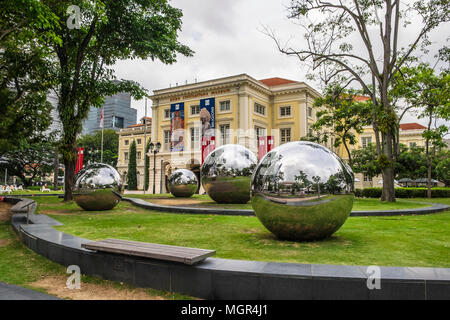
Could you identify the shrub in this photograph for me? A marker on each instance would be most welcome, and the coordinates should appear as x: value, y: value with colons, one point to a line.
x: 404, y: 192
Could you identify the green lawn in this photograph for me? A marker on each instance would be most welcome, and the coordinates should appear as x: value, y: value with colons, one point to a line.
x: 21, y: 266
x: 421, y: 241
x: 359, y: 204
x: 31, y: 192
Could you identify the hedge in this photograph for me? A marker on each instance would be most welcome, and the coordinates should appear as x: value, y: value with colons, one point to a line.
x: 404, y: 192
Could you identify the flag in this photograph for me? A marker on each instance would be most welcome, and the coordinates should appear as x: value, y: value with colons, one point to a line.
x: 80, y: 156
x: 101, y: 119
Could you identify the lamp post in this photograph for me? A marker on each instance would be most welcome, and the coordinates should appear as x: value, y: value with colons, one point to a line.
x: 155, y: 149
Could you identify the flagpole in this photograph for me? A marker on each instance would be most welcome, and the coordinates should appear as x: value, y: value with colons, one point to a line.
x: 101, y: 150
x: 145, y: 141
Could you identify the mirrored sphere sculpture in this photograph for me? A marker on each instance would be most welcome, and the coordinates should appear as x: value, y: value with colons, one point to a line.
x: 97, y: 187
x: 182, y: 183
x: 302, y: 191
x: 226, y: 173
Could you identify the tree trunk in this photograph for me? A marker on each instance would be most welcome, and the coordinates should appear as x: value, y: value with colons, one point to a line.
x: 69, y: 175
x: 55, y: 170
x: 388, y: 192
x: 429, y: 180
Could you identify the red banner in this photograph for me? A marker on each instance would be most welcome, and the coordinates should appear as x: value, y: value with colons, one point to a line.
x: 79, y: 164
x: 270, y: 143
x: 265, y: 144
x: 208, y: 145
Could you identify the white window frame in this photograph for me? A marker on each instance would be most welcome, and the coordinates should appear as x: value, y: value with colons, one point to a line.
x: 166, y: 112
x: 258, y: 131
x: 227, y: 102
x: 194, y: 133
x: 225, y: 136
x: 281, y: 135
x: 194, y: 106
x: 166, y: 140
x: 256, y: 104
x: 364, y: 139
x: 285, y: 115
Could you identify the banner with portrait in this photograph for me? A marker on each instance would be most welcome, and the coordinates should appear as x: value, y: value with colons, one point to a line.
x: 177, y: 127
x: 208, y: 125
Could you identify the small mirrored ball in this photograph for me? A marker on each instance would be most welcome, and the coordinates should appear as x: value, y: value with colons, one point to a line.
x: 97, y: 187
x: 226, y: 173
x: 302, y: 191
x: 182, y: 183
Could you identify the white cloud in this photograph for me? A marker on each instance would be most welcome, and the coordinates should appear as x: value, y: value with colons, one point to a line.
x: 227, y: 40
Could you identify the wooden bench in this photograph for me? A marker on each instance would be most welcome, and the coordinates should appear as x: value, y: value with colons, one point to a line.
x: 184, y: 255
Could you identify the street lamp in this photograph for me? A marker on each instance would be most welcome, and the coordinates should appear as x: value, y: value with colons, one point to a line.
x: 155, y: 149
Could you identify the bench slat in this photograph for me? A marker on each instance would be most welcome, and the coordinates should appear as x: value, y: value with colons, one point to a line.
x: 157, y: 246
x: 151, y: 250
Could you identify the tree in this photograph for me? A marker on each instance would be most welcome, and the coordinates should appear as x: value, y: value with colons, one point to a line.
x: 29, y: 161
x: 26, y: 72
x: 92, y: 146
x: 147, y: 166
x: 331, y: 28
x: 104, y: 32
x: 411, y: 163
x: 365, y: 161
x: 341, y: 115
x: 132, y: 173
x: 429, y: 94
x: 443, y: 167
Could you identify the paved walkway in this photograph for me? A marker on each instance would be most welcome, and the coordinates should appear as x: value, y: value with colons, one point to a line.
x: 10, y: 292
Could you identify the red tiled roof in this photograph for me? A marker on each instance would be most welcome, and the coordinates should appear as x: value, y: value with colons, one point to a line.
x: 135, y: 125
x: 272, y: 82
x: 411, y: 126
x: 361, y: 98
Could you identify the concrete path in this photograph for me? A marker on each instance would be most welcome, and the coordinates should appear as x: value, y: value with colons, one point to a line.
x: 10, y: 292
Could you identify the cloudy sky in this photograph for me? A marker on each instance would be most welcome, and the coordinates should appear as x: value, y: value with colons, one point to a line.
x: 228, y: 40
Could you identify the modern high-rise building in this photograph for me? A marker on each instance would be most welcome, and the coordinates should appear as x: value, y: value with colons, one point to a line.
x: 117, y: 114
x: 55, y: 125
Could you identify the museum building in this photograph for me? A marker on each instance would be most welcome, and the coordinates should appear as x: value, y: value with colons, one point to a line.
x: 191, y: 120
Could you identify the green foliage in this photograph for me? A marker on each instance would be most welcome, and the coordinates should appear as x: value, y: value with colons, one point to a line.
x: 132, y: 169
x: 26, y: 72
x: 92, y: 146
x: 336, y: 31
x: 411, y: 163
x: 340, y: 115
x: 404, y: 192
x: 110, y: 30
x: 365, y: 161
x: 29, y: 161
x: 443, y: 167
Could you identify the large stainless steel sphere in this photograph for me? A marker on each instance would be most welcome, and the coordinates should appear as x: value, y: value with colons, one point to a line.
x: 183, y: 183
x: 98, y: 187
x: 302, y: 191
x: 226, y: 173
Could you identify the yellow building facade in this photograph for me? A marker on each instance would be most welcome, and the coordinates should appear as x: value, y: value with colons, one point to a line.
x: 410, y: 135
x: 245, y: 109
x: 141, y: 134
